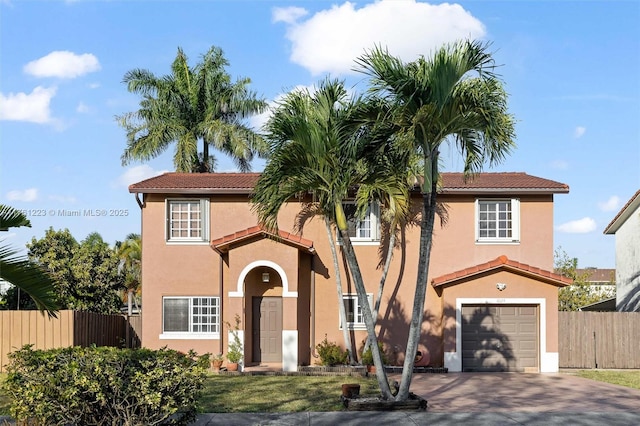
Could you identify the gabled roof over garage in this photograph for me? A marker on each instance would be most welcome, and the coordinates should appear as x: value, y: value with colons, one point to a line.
x: 226, y: 243
x: 502, y: 263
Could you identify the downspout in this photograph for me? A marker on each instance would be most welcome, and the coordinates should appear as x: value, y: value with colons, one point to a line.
x: 220, y: 276
x: 128, y: 332
x: 220, y: 288
x: 313, y: 308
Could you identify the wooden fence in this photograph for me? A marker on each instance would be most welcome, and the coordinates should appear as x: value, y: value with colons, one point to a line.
x: 19, y: 328
x: 599, y: 339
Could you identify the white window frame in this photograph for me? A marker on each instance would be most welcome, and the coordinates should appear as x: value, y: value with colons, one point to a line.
x: 204, y: 221
x: 356, y: 325
x: 373, y: 217
x: 515, y: 222
x: 189, y: 334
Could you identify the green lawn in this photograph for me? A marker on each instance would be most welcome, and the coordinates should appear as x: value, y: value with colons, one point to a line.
x: 227, y: 394
x: 628, y: 378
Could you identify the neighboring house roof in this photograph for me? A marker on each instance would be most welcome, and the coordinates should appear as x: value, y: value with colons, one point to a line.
x: 243, y: 183
x: 223, y: 244
x: 597, y: 275
x: 632, y: 205
x: 606, y: 305
x: 502, y: 263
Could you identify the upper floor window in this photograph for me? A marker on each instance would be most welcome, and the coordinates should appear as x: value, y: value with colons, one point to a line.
x: 187, y: 220
x: 498, y: 220
x: 353, y: 310
x: 190, y: 317
x: 366, y: 228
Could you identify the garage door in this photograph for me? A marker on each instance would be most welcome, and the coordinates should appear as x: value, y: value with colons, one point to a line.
x: 500, y: 338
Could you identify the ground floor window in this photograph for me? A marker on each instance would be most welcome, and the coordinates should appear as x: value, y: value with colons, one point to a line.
x: 190, y: 316
x: 353, y: 310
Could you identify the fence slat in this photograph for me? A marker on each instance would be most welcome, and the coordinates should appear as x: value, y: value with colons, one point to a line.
x: 19, y: 328
x: 599, y: 339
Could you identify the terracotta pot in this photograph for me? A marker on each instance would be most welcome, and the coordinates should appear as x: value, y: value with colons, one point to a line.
x: 216, y: 364
x: 232, y: 366
x: 350, y: 390
x: 371, y: 369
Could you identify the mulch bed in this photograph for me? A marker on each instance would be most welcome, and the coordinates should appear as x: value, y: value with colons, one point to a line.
x: 357, y: 403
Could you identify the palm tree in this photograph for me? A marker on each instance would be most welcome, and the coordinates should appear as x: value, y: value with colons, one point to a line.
x: 188, y: 106
x: 130, y: 254
x: 20, y: 271
x: 314, y: 149
x: 452, y: 97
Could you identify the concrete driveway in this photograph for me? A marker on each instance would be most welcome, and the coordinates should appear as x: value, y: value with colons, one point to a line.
x: 521, y: 392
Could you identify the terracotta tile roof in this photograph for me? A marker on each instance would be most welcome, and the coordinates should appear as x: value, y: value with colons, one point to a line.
x: 502, y: 182
x: 623, y: 214
x: 200, y: 183
x: 205, y: 183
x: 503, y: 262
x: 223, y: 244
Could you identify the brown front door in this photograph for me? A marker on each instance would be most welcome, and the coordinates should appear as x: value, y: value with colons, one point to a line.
x: 267, y: 329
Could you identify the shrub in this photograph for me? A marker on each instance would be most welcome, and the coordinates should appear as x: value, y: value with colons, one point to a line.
x: 105, y: 386
x: 235, y: 351
x: 367, y: 356
x: 331, y: 354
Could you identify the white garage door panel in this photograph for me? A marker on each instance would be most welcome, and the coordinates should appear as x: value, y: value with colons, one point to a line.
x: 499, y: 338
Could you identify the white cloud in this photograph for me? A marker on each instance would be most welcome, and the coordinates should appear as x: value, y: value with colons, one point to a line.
x: 136, y: 174
x: 63, y: 64
x: 612, y: 204
x: 94, y: 85
x: 26, y: 195
x: 288, y: 15
x: 332, y: 39
x: 559, y: 165
x: 33, y: 107
x: 82, y: 108
x: 579, y: 132
x: 580, y: 226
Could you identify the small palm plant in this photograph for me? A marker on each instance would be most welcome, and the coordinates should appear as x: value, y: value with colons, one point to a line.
x: 235, y: 352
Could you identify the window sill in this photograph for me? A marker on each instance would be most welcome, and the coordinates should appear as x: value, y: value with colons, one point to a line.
x: 498, y: 242
x: 361, y: 243
x: 355, y: 327
x: 189, y: 336
x: 187, y: 242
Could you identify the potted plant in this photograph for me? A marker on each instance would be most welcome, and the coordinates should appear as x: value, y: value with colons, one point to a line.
x: 235, y: 351
x: 216, y: 361
x: 367, y: 358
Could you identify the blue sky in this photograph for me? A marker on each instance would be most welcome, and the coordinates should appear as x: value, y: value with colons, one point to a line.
x: 572, y: 70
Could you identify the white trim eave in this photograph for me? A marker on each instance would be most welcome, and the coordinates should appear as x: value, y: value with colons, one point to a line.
x: 283, y: 276
x: 623, y: 216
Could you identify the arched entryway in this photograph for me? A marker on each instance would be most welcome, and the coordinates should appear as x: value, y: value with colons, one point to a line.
x: 263, y: 310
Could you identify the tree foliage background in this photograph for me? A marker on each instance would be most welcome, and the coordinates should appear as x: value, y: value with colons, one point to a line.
x: 85, y: 274
x: 578, y: 294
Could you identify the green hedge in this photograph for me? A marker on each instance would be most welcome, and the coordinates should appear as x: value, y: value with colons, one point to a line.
x: 105, y: 386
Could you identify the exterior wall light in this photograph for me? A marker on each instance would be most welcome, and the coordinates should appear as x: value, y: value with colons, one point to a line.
x: 265, y: 277
x: 501, y: 286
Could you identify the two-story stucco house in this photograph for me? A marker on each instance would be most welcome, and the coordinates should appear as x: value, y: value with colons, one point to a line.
x: 492, y: 303
x: 626, y: 228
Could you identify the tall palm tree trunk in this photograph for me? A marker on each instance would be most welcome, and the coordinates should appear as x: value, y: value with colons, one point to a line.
x: 417, y: 316
x: 383, y: 279
x: 343, y: 312
x: 352, y: 261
